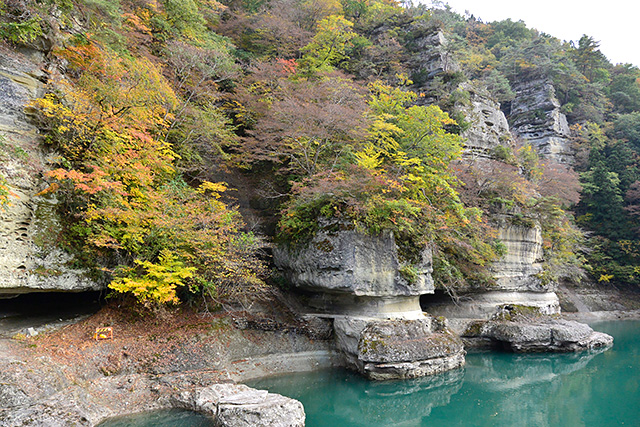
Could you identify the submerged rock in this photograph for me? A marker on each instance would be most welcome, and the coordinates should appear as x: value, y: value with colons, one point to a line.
x: 522, y: 329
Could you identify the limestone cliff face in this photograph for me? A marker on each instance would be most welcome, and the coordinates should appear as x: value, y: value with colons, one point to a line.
x: 536, y: 117
x: 350, y: 262
x: 31, y: 259
x: 517, y: 269
x: 430, y: 55
x: 488, y: 125
x: 517, y: 281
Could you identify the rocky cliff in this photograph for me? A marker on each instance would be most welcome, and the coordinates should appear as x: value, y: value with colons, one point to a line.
x: 488, y: 126
x: 517, y: 278
x: 349, y: 272
x: 535, y: 117
x: 32, y: 259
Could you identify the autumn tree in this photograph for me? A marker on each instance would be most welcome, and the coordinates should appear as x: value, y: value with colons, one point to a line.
x: 330, y: 43
x: 309, y: 124
x: 130, y: 215
x: 398, y: 179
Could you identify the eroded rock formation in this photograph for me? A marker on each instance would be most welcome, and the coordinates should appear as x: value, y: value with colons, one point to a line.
x: 238, y: 405
x: 517, y: 276
x: 515, y: 313
x: 511, y: 329
x: 30, y: 227
x: 536, y: 118
x: 397, y: 348
x: 488, y: 126
x: 358, y: 280
x: 348, y: 272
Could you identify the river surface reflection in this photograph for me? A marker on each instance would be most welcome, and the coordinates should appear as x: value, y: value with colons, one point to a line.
x: 494, y: 389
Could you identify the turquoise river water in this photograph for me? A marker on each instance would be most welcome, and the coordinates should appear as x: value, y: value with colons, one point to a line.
x: 494, y: 389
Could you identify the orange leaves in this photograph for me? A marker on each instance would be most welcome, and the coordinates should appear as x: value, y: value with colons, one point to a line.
x: 90, y: 183
x: 49, y: 190
x: 289, y: 66
x: 122, y: 90
x: 123, y: 198
x: 84, y: 56
x: 138, y: 21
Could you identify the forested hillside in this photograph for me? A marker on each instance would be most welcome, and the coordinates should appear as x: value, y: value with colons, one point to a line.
x: 321, y: 112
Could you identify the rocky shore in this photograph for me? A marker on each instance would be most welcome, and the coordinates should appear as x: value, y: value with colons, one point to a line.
x: 226, y: 404
x: 183, y: 360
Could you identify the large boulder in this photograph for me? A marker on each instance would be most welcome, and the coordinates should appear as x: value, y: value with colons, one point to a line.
x: 541, y: 335
x: 236, y: 405
x: 525, y: 329
x: 398, y: 348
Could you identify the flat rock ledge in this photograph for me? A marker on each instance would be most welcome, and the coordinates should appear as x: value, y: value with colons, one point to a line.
x: 229, y: 405
x: 237, y: 405
x: 385, y: 349
x: 539, y: 335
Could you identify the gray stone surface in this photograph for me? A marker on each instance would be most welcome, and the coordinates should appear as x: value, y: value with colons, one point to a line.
x: 540, y: 335
x: 419, y: 368
x: 517, y: 279
x: 352, y: 305
x: 535, y: 117
x: 237, y: 405
x: 429, y: 51
x: 31, y: 260
x: 11, y: 395
x: 339, y: 260
x: 518, y: 269
x: 485, y: 304
x: 489, y: 127
x: 398, y: 348
x: 229, y: 405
